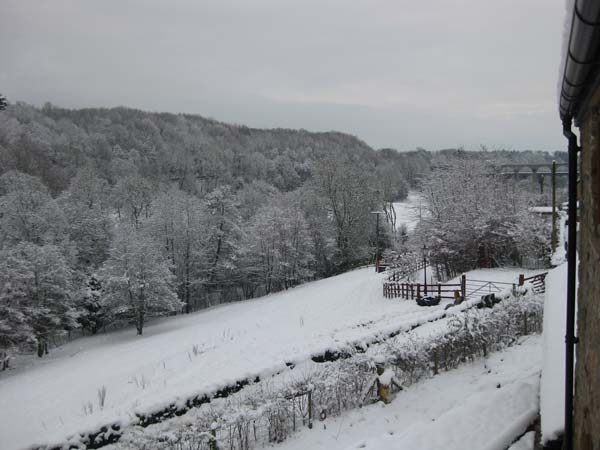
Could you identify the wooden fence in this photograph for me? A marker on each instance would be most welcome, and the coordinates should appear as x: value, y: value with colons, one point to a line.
x: 395, y: 289
x: 468, y: 288
x: 538, y: 281
x: 399, y: 274
x: 483, y: 287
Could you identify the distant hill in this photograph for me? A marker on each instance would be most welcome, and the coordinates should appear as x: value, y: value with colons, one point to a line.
x: 52, y: 143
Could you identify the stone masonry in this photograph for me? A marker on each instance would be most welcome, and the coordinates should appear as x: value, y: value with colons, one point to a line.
x: 587, y: 370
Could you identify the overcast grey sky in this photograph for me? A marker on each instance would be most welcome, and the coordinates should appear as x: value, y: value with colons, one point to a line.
x: 395, y: 73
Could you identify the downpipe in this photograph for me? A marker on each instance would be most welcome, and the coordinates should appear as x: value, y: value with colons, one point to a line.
x: 570, y: 339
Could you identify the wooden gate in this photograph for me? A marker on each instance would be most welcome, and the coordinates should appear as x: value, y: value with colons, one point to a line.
x: 396, y: 289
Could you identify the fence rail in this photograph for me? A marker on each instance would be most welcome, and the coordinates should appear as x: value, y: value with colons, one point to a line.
x: 481, y: 287
x: 538, y: 281
x: 401, y: 273
x: 411, y: 291
x: 468, y: 288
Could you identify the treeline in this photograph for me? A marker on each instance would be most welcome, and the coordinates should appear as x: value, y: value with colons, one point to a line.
x: 114, y: 216
x: 198, y: 154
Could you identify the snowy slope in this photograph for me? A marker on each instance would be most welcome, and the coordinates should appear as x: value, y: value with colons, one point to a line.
x: 407, y: 211
x: 45, y: 403
x: 472, y: 407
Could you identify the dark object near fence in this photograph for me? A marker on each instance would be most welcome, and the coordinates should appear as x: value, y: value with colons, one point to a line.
x: 429, y: 301
x: 488, y: 301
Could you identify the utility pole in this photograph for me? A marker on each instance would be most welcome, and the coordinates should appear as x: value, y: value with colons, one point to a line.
x: 425, y: 268
x: 377, y: 244
x: 553, y: 236
x: 377, y: 213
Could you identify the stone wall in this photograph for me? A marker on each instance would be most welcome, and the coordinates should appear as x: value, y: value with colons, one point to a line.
x: 587, y: 371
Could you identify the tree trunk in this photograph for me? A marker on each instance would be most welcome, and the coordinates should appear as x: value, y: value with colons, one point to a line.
x: 140, y: 322
x: 187, y: 280
x: 40, y: 347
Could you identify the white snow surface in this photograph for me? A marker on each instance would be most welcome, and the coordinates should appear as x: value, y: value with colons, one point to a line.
x: 541, y: 209
x: 560, y: 254
x: 407, y: 211
x: 552, y: 402
x: 44, y: 403
x: 476, y: 406
x: 525, y: 443
x: 386, y: 377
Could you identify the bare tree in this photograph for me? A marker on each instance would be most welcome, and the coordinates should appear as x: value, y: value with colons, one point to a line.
x: 136, y: 278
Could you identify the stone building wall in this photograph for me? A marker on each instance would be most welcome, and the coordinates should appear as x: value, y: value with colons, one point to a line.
x: 587, y: 370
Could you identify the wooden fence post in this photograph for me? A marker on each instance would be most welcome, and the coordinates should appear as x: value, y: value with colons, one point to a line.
x: 439, y: 290
x: 521, y: 280
x: 463, y: 286
x: 213, y: 439
x: 418, y: 290
x: 310, y: 425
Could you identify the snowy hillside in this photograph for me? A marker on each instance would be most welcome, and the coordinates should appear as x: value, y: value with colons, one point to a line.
x: 197, y: 353
x: 45, y: 403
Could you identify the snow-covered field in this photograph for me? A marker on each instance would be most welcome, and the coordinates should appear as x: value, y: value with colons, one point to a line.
x: 188, y: 355
x: 476, y: 406
x: 407, y: 211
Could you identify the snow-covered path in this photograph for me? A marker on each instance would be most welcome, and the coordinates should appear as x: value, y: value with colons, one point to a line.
x: 552, y: 405
x: 474, y: 407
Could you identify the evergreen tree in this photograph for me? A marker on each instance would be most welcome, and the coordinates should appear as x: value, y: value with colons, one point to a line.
x: 92, y: 315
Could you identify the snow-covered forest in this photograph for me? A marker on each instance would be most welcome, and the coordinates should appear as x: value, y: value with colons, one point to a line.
x: 112, y: 216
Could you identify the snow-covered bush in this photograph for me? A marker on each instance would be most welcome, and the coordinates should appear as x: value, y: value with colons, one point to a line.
x: 469, y: 335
